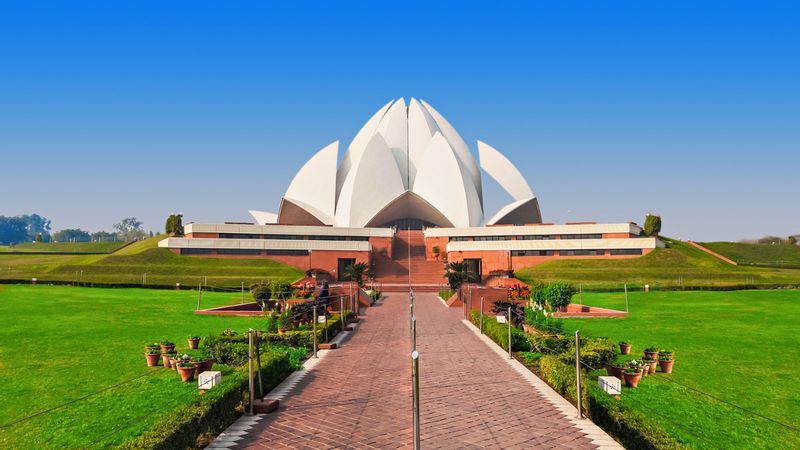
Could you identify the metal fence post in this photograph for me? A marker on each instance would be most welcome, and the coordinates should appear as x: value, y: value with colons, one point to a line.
x: 413, y: 332
x: 415, y: 395
x: 341, y: 309
x: 581, y: 297
x: 199, y: 290
x: 315, y: 330
x: 250, y: 381
x: 578, y: 370
x: 509, y: 333
x: 481, y: 324
x: 258, y: 366
x: 242, y: 291
x: 626, y: 297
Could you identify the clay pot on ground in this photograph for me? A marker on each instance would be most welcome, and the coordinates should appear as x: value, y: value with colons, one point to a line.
x: 152, y: 359
x: 167, y: 348
x: 653, y: 364
x: 632, y: 379
x: 186, y: 373
x: 651, y: 355
x: 166, y: 359
x: 207, y: 365
x: 645, y: 369
x: 624, y: 349
x: 194, y: 343
x: 614, y: 371
x: 152, y: 347
x: 666, y: 365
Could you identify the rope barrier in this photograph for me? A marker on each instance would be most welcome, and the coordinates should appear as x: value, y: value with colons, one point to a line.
x: 54, y: 408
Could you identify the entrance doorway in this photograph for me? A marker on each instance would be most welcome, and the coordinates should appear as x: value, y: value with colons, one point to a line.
x: 473, y: 267
x: 341, y: 265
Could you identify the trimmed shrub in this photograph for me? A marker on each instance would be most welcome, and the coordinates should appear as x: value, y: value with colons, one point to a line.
x: 498, y: 332
x: 558, y: 294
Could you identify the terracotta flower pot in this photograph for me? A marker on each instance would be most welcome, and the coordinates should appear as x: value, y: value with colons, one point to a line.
x: 653, y: 364
x: 187, y: 373
x: 193, y: 343
x: 166, y: 359
x: 666, y: 365
x: 651, y: 355
x: 152, y: 347
x: 632, y: 379
x: 645, y: 369
x: 152, y: 359
x: 614, y: 371
x: 625, y: 349
x: 167, y: 348
x: 208, y: 365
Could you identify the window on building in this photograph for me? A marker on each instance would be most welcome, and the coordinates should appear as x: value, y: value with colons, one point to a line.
x: 626, y: 251
x: 458, y: 238
x: 532, y: 253
x: 582, y: 252
x: 239, y: 251
x: 284, y: 237
x: 239, y: 236
x: 536, y: 237
x: 581, y: 236
x: 195, y: 251
x: 287, y: 252
x: 492, y: 238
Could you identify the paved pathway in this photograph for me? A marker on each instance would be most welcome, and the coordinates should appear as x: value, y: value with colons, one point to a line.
x: 359, y: 396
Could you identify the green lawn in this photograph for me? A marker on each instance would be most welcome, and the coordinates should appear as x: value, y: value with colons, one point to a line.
x: 740, y: 346
x: 129, y: 265
x: 67, y: 247
x: 61, y: 343
x: 758, y: 254
x: 679, y: 265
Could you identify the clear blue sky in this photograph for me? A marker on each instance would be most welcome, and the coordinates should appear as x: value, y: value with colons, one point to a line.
x: 610, y: 109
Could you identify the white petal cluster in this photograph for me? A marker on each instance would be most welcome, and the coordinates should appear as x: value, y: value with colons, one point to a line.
x: 406, y: 161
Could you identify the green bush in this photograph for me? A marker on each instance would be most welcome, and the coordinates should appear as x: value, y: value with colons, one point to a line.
x: 558, y: 294
x: 282, y: 290
x: 652, y: 225
x: 498, y: 332
x: 598, y: 352
x: 535, y: 316
x: 194, y: 425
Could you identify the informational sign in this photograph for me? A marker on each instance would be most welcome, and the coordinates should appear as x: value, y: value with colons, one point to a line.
x: 501, y: 319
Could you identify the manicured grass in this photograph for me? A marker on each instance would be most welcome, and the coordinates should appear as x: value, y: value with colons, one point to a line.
x: 679, y: 265
x: 60, y: 343
x: 758, y: 254
x: 740, y: 346
x: 128, y: 266
x: 66, y: 247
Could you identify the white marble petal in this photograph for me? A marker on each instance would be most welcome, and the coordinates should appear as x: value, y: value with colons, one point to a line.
x: 373, y: 182
x: 394, y: 130
x: 522, y: 211
x: 459, y: 147
x: 264, y: 217
x: 358, y: 145
x: 315, y: 183
x: 504, y: 172
x: 445, y: 183
x: 421, y: 128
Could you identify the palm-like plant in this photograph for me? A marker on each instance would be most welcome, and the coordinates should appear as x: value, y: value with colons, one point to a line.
x: 456, y: 274
x: 355, y: 272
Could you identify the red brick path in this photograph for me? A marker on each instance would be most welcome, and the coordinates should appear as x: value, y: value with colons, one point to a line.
x: 359, y: 396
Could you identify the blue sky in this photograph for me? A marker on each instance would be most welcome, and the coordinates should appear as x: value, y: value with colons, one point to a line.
x: 610, y: 109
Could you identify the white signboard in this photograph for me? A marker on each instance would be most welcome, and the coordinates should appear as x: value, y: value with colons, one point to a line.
x: 501, y: 319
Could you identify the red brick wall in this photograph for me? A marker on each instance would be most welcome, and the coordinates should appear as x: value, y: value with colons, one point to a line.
x: 379, y: 243
x: 431, y: 242
x: 202, y: 235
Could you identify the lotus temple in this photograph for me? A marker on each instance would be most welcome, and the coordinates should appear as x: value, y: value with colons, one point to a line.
x: 408, y: 191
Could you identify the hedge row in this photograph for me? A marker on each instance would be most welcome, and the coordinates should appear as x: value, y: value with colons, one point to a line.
x: 498, y: 332
x: 631, y: 427
x: 196, y: 424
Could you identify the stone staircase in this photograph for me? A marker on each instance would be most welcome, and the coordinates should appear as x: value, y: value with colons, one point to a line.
x: 408, y: 254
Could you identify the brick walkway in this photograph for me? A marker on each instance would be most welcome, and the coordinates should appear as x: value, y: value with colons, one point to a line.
x: 359, y: 396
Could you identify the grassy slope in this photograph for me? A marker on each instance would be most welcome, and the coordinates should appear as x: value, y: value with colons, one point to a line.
x: 660, y: 268
x: 741, y: 346
x: 758, y: 254
x: 74, y: 247
x: 130, y: 263
x: 59, y: 343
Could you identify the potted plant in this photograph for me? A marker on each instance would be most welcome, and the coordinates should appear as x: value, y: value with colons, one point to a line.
x: 624, y: 348
x: 666, y: 361
x: 152, y: 346
x: 167, y: 346
x: 651, y: 352
x: 632, y: 376
x: 166, y: 358
x: 194, y: 342
x: 152, y: 355
x: 652, y: 363
x: 614, y: 370
x: 186, y: 370
x: 645, y: 366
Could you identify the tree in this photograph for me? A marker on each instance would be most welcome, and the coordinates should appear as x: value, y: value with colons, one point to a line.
x: 72, y: 235
x: 104, y: 236
x: 355, y: 272
x: 174, y: 225
x: 37, y: 225
x: 652, y: 225
x: 792, y: 240
x: 773, y: 240
x: 129, y: 229
x: 39, y: 237
x: 13, y: 230
x: 558, y: 294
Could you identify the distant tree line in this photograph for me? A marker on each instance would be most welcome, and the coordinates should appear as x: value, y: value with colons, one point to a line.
x: 775, y: 240
x: 35, y: 228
